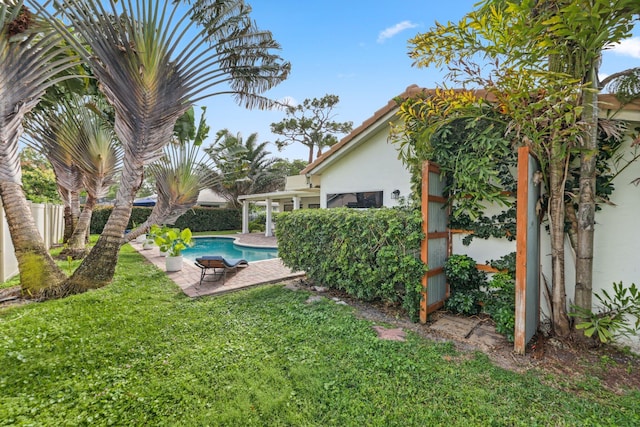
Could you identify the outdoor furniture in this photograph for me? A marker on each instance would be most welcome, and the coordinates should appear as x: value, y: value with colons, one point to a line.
x: 218, y: 266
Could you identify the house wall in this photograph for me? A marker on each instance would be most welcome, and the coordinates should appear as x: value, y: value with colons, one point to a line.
x: 616, y: 243
x: 373, y: 166
x: 616, y: 240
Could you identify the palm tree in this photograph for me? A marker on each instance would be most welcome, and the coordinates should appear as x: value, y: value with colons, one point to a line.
x: 242, y: 167
x: 180, y: 175
x: 92, y: 143
x: 76, y: 136
x: 153, y: 66
x: 580, y: 31
x: 42, y: 136
x: 31, y: 59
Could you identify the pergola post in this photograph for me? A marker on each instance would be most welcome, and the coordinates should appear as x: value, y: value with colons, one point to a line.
x: 245, y: 216
x: 268, y: 224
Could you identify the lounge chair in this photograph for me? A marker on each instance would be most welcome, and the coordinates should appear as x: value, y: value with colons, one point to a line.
x: 220, y: 266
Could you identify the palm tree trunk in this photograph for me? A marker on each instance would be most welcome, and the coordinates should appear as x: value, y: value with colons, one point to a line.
x: 587, y: 203
x: 75, y: 207
x: 76, y: 246
x: 154, y: 218
x: 557, y: 218
x: 68, y: 224
x: 99, y: 266
x: 40, y: 277
x: 71, y: 212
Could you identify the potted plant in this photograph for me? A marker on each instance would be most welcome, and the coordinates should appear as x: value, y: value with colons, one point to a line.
x: 173, y: 242
x: 147, y: 242
x: 141, y: 238
x: 155, y: 232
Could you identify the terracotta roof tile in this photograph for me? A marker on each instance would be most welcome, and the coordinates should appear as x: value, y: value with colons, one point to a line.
x: 607, y: 101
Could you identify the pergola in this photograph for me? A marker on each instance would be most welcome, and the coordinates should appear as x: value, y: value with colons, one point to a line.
x: 296, y: 197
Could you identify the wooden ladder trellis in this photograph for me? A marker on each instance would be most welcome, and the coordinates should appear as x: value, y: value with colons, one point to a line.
x: 436, y: 246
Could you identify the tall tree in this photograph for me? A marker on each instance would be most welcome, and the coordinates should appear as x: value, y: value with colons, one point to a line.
x: 241, y: 166
x: 43, y: 137
x: 180, y: 174
x: 579, y: 31
x: 88, y: 137
x: 31, y: 59
x: 152, y: 75
x: 536, y: 80
x: 38, y: 177
x: 311, y: 124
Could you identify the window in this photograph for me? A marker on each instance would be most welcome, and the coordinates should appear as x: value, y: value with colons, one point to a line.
x: 369, y: 199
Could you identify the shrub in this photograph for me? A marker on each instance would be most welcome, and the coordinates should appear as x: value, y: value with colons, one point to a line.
x: 370, y: 254
x: 196, y: 219
x: 472, y: 293
x: 465, y: 281
x: 258, y: 223
x: 501, y: 302
x: 615, y: 316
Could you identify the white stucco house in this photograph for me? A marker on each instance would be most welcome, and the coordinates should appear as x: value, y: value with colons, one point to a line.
x: 363, y: 170
x: 360, y: 171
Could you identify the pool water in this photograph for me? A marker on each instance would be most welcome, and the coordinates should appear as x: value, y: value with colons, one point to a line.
x: 226, y: 248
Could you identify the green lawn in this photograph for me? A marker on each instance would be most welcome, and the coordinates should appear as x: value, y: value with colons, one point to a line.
x: 139, y: 352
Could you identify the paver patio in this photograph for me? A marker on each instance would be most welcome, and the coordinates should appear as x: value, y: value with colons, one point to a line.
x: 257, y: 273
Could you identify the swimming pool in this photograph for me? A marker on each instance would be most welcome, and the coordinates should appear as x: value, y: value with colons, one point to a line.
x: 225, y: 247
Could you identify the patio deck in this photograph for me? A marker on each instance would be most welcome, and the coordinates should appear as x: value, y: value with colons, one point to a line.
x: 257, y: 273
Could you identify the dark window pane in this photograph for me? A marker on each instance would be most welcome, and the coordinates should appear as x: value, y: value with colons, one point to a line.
x: 368, y: 199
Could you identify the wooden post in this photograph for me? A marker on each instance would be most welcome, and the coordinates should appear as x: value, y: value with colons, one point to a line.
x: 424, y: 246
x: 522, y: 210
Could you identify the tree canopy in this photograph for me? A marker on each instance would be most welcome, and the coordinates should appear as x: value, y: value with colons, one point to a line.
x: 311, y: 124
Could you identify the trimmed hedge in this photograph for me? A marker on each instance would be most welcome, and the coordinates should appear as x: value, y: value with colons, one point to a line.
x: 370, y: 254
x: 197, y: 219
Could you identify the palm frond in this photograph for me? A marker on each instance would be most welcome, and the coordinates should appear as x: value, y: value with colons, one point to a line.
x: 152, y: 74
x: 78, y: 142
x: 180, y: 176
x: 31, y: 59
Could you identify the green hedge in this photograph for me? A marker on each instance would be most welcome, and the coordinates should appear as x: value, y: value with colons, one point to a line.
x: 371, y: 254
x: 197, y: 219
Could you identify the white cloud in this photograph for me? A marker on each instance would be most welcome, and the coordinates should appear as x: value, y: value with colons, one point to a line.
x: 289, y: 101
x: 629, y: 47
x: 392, y: 31
x: 285, y: 102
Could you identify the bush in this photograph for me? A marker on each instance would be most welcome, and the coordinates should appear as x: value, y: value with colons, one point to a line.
x: 465, y: 281
x: 196, y: 219
x: 370, y: 254
x: 615, y: 316
x: 471, y: 293
x: 500, y: 303
x: 257, y: 225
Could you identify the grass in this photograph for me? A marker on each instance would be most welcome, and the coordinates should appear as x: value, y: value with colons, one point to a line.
x: 139, y: 352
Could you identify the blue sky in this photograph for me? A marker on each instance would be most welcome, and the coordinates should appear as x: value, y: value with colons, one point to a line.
x: 357, y: 50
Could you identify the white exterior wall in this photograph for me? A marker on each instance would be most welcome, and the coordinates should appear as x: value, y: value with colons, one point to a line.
x: 484, y: 250
x: 373, y: 166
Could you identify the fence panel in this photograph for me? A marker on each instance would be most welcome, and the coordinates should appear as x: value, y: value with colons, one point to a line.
x: 49, y: 220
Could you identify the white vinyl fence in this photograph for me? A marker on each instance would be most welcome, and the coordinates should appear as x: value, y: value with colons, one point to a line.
x: 50, y: 223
